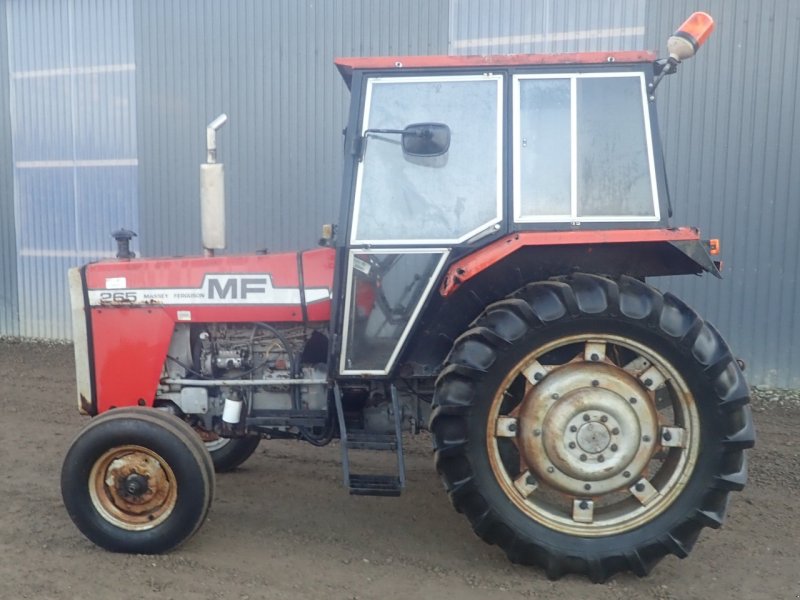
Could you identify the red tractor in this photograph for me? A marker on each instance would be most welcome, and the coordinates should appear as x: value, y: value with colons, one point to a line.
x: 500, y: 216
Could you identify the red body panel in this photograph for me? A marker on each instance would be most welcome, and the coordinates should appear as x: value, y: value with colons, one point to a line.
x: 346, y: 66
x: 136, y: 304
x: 471, y: 265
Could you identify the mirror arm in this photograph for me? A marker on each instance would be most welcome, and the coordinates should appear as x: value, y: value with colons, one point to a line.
x: 360, y: 143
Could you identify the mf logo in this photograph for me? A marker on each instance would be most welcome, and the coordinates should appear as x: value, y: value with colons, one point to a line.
x: 236, y: 287
x: 247, y: 289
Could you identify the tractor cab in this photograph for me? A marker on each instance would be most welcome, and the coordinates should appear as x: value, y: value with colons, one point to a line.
x: 448, y: 155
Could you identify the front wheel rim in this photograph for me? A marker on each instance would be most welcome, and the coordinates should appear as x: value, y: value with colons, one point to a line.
x: 593, y: 435
x: 133, y: 488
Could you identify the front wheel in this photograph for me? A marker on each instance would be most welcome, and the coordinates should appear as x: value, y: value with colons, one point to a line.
x: 137, y: 480
x: 591, y: 426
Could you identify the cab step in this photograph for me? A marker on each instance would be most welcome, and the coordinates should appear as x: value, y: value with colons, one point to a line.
x: 375, y: 485
x: 372, y: 485
x: 360, y: 440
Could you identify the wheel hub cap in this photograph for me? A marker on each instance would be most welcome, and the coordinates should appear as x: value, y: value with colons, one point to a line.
x: 593, y: 437
x: 133, y: 486
x: 587, y: 428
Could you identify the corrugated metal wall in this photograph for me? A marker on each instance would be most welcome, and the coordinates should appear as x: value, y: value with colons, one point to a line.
x: 545, y: 26
x: 731, y: 128
x: 9, y: 312
x: 269, y: 66
x: 730, y: 124
x: 74, y: 145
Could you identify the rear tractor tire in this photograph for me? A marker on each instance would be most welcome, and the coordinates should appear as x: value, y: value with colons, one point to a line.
x: 137, y: 480
x: 229, y: 453
x: 591, y: 426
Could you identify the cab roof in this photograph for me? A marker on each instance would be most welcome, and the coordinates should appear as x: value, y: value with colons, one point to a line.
x: 346, y: 66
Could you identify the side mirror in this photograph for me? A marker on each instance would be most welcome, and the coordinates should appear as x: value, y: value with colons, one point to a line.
x: 419, y: 141
x: 426, y: 140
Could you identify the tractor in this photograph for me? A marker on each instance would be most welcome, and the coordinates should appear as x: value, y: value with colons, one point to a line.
x: 486, y: 281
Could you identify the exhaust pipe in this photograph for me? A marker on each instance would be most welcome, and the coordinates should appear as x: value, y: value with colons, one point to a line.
x: 212, y: 192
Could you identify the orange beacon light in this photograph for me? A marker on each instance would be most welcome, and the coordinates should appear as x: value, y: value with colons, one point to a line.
x: 685, y: 42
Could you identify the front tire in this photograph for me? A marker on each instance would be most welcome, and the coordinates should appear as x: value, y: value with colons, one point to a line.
x: 591, y: 426
x: 137, y: 480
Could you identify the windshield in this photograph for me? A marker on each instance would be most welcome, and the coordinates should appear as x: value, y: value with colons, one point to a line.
x: 430, y: 199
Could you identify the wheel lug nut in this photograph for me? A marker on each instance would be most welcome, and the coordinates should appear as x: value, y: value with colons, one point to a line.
x: 648, y: 382
x: 550, y: 469
x: 614, y: 447
x: 572, y: 445
x: 583, y: 458
x: 554, y: 396
x: 595, y: 357
x: 601, y: 458
x: 512, y: 427
x: 573, y: 429
x: 645, y: 438
x: 583, y: 505
x: 537, y: 432
x: 626, y: 474
x: 586, y: 416
x: 632, y: 400
x: 615, y: 431
x: 603, y: 419
x: 538, y: 376
x: 587, y: 487
x: 595, y: 383
x: 530, y: 480
x: 667, y: 436
x: 639, y: 487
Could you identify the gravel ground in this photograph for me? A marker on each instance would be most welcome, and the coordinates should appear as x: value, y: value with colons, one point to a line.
x: 283, y: 527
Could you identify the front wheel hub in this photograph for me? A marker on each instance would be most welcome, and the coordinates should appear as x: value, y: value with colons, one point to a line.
x: 587, y: 427
x: 133, y: 486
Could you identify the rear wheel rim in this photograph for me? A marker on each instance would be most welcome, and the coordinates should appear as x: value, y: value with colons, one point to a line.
x: 593, y: 435
x: 217, y: 444
x: 133, y: 487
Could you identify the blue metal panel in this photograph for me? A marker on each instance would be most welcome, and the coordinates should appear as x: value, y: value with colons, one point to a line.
x: 73, y: 113
x: 9, y: 310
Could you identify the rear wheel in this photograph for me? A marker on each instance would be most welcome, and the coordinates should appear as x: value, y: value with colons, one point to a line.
x: 591, y: 426
x: 137, y: 480
x: 229, y: 453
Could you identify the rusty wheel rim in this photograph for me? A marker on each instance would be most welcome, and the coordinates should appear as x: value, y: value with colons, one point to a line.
x: 133, y: 487
x: 593, y: 435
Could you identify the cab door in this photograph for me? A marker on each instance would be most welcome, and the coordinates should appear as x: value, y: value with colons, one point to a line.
x: 410, y: 212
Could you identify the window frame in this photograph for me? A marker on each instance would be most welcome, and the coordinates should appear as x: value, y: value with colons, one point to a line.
x: 573, y: 217
x: 499, y: 79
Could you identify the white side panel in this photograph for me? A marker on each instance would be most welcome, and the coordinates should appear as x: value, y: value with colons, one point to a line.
x: 80, y: 337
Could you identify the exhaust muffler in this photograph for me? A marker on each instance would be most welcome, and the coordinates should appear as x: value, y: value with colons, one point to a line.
x: 212, y: 192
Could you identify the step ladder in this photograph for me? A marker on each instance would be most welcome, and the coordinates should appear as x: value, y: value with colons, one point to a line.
x: 372, y: 485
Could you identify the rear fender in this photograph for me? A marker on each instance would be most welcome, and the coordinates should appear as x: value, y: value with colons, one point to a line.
x: 472, y: 283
